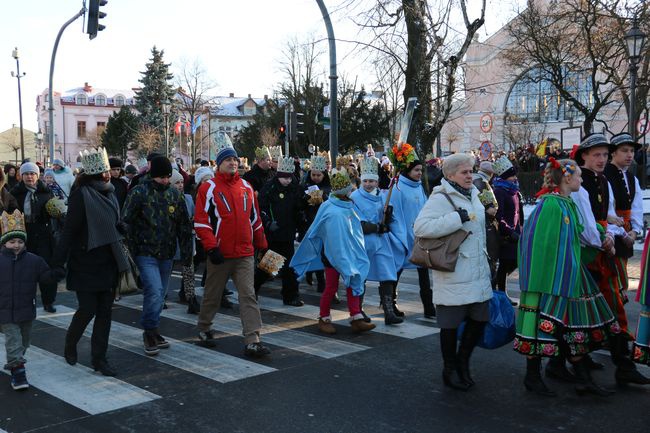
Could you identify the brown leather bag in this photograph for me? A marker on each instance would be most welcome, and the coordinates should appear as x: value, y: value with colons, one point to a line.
x: 440, y: 254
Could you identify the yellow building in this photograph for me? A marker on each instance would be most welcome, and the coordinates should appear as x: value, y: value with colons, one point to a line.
x: 10, y: 145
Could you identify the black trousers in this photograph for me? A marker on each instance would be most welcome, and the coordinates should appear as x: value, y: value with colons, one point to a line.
x: 426, y: 294
x: 506, y: 266
x: 98, y: 305
x: 289, y: 281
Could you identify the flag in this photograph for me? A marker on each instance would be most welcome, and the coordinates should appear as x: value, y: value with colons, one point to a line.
x: 196, y: 124
x: 541, y: 148
x: 187, y: 128
x: 177, y: 127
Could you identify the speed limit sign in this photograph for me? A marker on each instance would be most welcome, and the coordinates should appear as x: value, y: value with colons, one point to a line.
x: 486, y: 122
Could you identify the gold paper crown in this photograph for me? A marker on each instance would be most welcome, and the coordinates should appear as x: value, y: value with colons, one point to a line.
x: 262, y: 152
x: 286, y: 165
x: 370, y: 168
x: 325, y: 155
x: 343, y: 161
x: 501, y: 165
x: 340, y: 181
x: 306, y: 164
x: 12, y: 226
x: 95, y: 161
x: 276, y: 152
x: 318, y: 163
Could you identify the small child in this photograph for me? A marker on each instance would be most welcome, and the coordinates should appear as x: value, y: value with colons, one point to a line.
x: 20, y: 271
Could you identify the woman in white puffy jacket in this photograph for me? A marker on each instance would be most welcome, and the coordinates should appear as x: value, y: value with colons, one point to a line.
x: 464, y: 294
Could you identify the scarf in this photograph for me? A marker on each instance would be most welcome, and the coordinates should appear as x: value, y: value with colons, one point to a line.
x: 510, y: 187
x: 464, y: 191
x: 102, y: 214
x: 27, y: 205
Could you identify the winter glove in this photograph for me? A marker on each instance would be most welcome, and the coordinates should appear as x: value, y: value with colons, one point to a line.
x: 464, y: 216
x: 383, y: 228
x: 369, y: 227
x: 215, y: 256
x: 514, y: 237
x: 274, y: 226
x: 122, y: 228
x: 388, y: 214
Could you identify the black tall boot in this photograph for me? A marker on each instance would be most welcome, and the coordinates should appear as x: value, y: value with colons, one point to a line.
x: 585, y: 384
x: 471, y: 334
x: 396, y: 310
x: 366, y: 318
x: 626, y: 371
x: 450, y: 375
x: 556, y: 369
x: 533, y: 380
x: 386, y: 295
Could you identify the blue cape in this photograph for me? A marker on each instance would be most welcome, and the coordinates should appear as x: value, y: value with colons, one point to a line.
x: 336, y: 232
x: 370, y: 207
x: 408, y: 199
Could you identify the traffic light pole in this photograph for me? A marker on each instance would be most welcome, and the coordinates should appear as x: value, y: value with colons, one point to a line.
x: 286, y: 132
x: 50, y: 93
x: 334, y: 121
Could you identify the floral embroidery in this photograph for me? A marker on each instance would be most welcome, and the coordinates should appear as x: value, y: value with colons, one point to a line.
x: 597, y: 335
x: 547, y: 326
x: 548, y: 349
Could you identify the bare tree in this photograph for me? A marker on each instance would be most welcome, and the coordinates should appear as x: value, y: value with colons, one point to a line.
x: 268, y: 137
x: 523, y: 134
x: 147, y: 139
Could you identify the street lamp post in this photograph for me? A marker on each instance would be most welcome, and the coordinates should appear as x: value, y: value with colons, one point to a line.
x: 634, y: 40
x: 165, y: 107
x: 18, y: 75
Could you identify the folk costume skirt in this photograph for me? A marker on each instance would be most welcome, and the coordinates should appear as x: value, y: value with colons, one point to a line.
x: 550, y: 325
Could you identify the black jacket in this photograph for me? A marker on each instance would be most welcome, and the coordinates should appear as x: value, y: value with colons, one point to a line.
x: 18, y: 278
x: 40, y: 238
x: 310, y: 211
x: 121, y: 188
x: 258, y: 177
x: 88, y: 271
x: 282, y: 205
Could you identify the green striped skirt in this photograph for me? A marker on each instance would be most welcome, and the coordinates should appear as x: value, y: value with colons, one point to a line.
x: 581, y: 325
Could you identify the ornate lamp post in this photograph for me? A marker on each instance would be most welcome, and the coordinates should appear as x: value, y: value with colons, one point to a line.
x: 18, y: 75
x: 166, y: 107
x: 634, y: 40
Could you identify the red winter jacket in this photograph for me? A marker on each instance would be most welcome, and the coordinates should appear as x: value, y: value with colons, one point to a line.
x: 228, y: 217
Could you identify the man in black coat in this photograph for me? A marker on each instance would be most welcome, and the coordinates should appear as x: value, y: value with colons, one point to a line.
x: 261, y: 172
x: 120, y: 185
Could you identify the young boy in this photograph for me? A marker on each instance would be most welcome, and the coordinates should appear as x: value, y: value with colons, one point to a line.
x: 20, y: 271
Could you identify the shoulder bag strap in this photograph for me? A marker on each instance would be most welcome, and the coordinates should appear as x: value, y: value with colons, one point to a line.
x: 450, y: 200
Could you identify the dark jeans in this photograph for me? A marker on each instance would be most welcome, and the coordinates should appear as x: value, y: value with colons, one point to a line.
x: 289, y: 282
x: 506, y: 266
x: 426, y: 294
x: 98, y: 305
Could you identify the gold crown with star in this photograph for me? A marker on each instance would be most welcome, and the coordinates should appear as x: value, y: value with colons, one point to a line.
x: 262, y: 152
x: 12, y: 225
x: 94, y: 161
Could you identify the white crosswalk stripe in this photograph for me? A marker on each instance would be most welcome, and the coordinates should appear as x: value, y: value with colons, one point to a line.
x: 322, y: 347
x: 210, y: 364
x: 51, y: 374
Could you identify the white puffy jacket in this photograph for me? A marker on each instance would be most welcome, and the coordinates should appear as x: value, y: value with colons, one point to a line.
x: 470, y: 282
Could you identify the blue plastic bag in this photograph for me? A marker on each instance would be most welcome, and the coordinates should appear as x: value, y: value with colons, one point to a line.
x: 500, y: 330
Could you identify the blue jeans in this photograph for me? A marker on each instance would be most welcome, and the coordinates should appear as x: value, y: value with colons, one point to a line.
x: 154, y: 274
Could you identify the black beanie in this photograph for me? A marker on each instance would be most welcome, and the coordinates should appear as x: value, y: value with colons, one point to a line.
x: 160, y: 167
x: 115, y: 162
x: 153, y: 155
x: 411, y: 166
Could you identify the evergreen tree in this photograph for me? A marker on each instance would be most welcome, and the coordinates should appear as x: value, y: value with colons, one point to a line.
x: 249, y: 137
x: 120, y: 132
x: 362, y: 123
x: 156, y: 89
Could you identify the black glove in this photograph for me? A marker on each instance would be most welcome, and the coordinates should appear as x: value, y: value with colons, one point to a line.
x: 215, y: 256
x: 369, y: 227
x: 383, y: 228
x: 274, y: 226
x: 57, y: 273
x: 122, y: 228
x: 514, y: 237
x: 464, y: 216
x: 388, y: 214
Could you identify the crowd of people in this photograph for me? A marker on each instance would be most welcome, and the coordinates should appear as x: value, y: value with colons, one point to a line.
x: 354, y: 221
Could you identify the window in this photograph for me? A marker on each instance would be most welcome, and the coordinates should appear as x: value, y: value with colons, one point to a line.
x: 100, y: 100
x: 81, y: 129
x: 250, y: 111
x: 119, y: 100
x: 534, y: 99
x: 100, y: 127
x: 81, y: 99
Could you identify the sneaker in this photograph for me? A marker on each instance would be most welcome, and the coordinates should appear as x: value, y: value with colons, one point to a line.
x: 161, y: 343
x: 19, y: 378
x: 208, y: 338
x: 150, y: 343
x: 256, y: 350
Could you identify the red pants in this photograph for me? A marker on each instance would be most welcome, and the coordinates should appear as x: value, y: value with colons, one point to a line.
x: 331, y: 287
x: 605, y: 274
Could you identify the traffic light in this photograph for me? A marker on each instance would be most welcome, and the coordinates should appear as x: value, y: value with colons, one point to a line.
x: 282, y: 131
x: 296, y: 125
x: 94, y: 15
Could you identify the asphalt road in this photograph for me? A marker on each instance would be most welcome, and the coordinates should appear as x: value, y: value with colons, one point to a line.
x: 388, y: 380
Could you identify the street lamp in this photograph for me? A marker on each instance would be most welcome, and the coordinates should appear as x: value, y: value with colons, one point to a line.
x: 166, y: 107
x: 39, y: 141
x: 18, y: 75
x: 634, y: 40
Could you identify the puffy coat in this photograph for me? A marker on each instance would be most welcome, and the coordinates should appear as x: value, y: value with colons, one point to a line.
x: 281, y: 204
x: 227, y: 217
x: 40, y: 232
x: 258, y: 177
x: 470, y: 282
x: 18, y: 278
x: 65, y: 179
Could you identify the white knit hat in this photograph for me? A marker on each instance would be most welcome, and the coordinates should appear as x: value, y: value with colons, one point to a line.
x: 29, y: 167
x: 176, y: 176
x: 202, y: 172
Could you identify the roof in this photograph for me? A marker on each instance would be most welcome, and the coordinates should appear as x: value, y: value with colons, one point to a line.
x: 69, y: 95
x: 229, y: 107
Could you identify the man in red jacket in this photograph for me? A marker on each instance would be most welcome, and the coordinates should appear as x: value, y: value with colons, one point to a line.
x: 228, y: 223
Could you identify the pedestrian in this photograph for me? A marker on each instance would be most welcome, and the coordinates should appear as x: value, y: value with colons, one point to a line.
x: 280, y: 206
x: 129, y: 173
x: 50, y: 181
x: 121, y: 186
x: 641, y: 348
x: 334, y: 242
x: 407, y: 199
x: 151, y: 208
x: 481, y: 180
x: 91, y: 247
x: 12, y: 176
x: 227, y: 221
x: 7, y: 201
x: 143, y: 174
x: 369, y: 205
x: 20, y: 271
x: 63, y: 176
x: 261, y: 172
x: 510, y: 217
x: 32, y: 195
x: 562, y: 313
x: 464, y: 294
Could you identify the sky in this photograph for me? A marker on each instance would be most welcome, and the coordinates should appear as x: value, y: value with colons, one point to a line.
x: 237, y: 42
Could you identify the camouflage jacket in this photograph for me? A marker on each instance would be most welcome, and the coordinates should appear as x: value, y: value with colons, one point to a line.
x: 157, y: 218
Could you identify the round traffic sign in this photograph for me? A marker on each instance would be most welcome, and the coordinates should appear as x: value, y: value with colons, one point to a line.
x: 486, y: 122
x: 642, y: 126
x: 485, y: 150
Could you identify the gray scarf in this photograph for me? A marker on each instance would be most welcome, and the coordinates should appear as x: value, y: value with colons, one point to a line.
x: 27, y: 205
x: 102, y: 214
